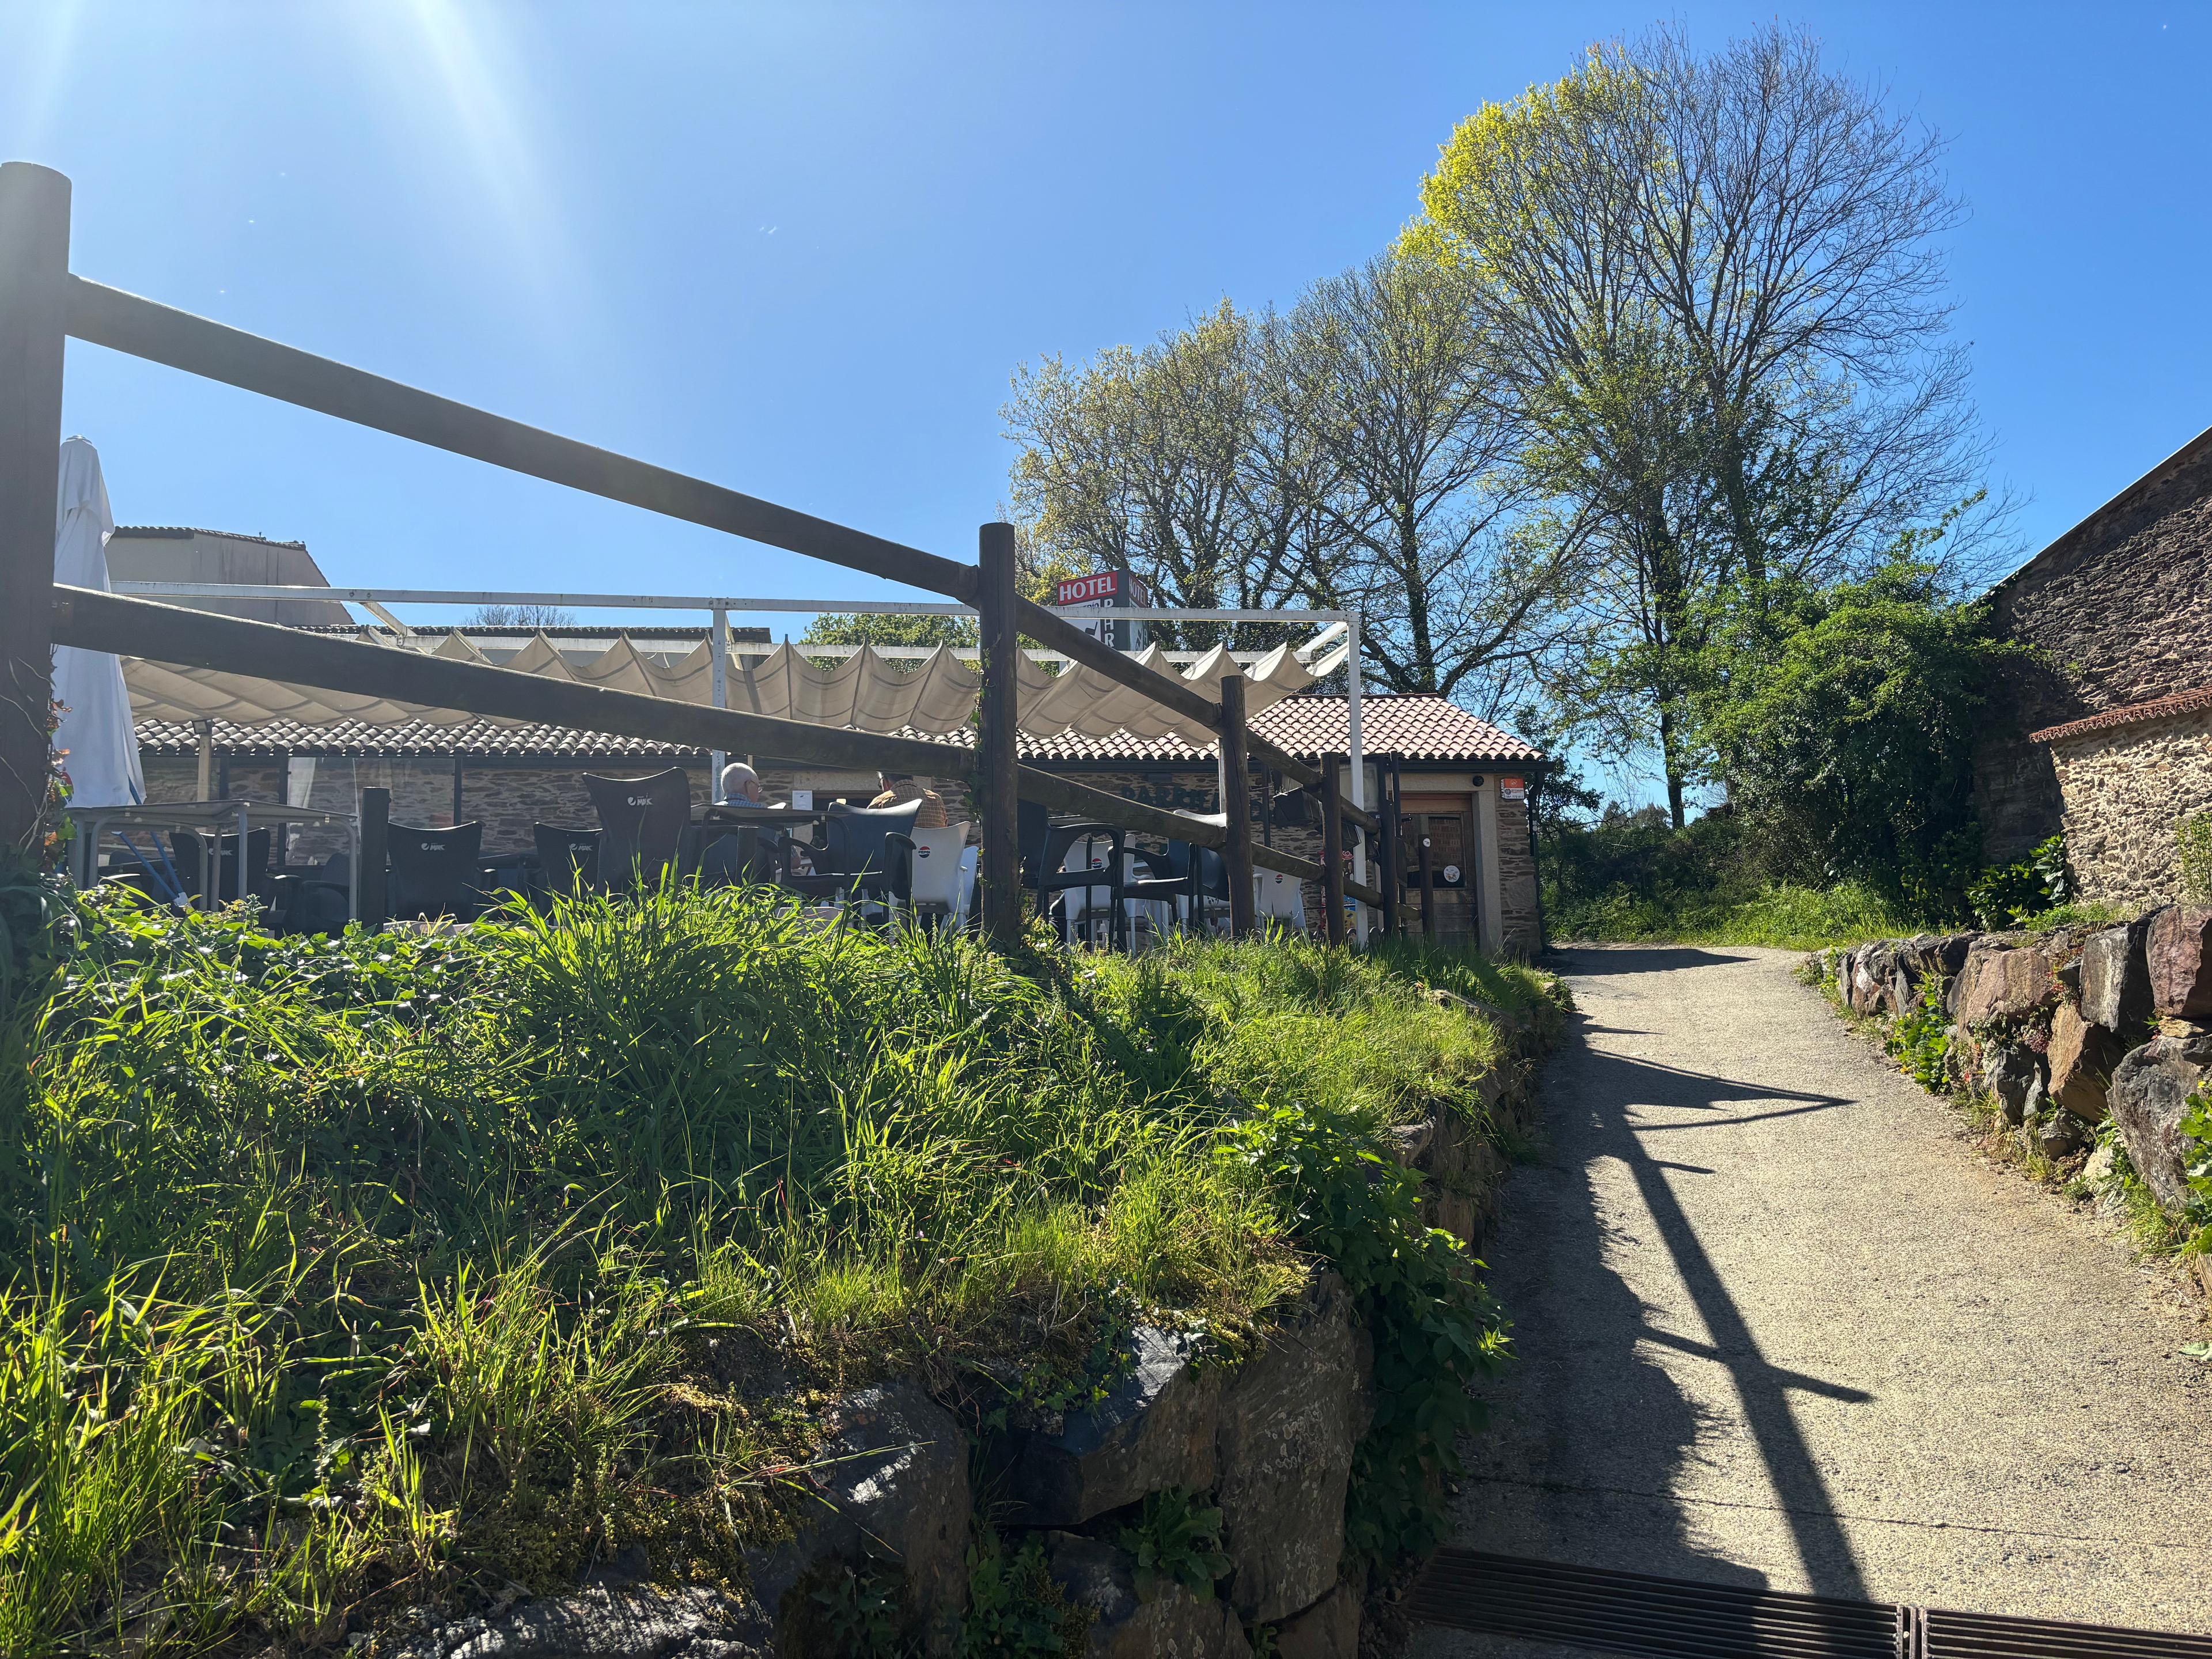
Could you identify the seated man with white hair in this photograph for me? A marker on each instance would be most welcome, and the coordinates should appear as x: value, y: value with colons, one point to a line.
x: 741, y: 784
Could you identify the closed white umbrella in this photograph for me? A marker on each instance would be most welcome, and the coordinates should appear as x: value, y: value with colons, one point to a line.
x: 95, y: 728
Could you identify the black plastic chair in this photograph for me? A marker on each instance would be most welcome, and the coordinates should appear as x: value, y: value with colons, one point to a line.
x: 644, y: 820
x: 1046, y: 877
x: 867, y: 852
x: 184, y: 846
x: 319, y: 901
x: 735, y: 857
x: 504, y: 874
x: 568, y: 858
x: 435, y: 871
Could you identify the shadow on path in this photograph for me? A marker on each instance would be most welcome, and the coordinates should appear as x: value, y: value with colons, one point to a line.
x: 1592, y: 1433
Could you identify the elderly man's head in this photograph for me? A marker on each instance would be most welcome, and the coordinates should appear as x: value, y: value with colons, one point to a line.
x: 741, y: 783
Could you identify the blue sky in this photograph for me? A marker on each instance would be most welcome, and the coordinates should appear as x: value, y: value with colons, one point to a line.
x: 800, y: 249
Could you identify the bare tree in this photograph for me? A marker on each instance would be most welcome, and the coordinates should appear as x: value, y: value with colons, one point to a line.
x: 521, y: 615
x: 1389, y: 369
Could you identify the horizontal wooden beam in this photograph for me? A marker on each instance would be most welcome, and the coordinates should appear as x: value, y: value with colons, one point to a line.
x: 198, y: 639
x: 124, y: 322
x: 1290, y: 863
x: 1063, y: 794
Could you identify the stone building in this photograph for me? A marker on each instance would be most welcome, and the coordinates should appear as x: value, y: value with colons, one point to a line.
x: 1464, y: 780
x: 2107, y: 735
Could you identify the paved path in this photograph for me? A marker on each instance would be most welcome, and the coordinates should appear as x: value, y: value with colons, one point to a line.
x: 1777, y: 1325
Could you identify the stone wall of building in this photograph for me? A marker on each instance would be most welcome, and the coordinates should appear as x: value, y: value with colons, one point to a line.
x: 1516, y: 870
x: 2120, y: 609
x: 2125, y: 789
x: 508, y: 799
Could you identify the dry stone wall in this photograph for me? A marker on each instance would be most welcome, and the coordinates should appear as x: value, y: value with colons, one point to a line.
x: 903, y: 1474
x: 2063, y: 1031
x: 2125, y: 789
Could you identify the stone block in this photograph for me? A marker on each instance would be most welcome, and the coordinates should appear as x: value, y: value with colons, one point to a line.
x: 2012, y: 1072
x: 601, y: 1624
x: 2116, y: 977
x: 1154, y: 1429
x: 2149, y: 1096
x: 2005, y: 984
x: 892, y: 1481
x: 2080, y: 1062
x: 1290, y: 1417
x: 1173, y: 1624
x: 2178, y: 950
x: 1869, y: 978
x: 1327, y: 1629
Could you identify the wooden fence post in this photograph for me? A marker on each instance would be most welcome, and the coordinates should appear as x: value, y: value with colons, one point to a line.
x: 1387, y: 850
x: 35, y: 232
x: 1236, y: 803
x: 1332, y: 847
x: 371, y: 903
x: 997, y: 782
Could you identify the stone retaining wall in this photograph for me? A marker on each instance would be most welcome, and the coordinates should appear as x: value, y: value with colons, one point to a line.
x: 1269, y: 1440
x: 2063, y: 1031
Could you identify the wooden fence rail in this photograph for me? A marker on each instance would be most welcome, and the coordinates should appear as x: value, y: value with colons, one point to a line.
x: 198, y: 639
x: 42, y: 303
x: 215, y: 351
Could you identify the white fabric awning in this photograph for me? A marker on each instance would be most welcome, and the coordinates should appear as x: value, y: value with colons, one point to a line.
x: 934, y: 697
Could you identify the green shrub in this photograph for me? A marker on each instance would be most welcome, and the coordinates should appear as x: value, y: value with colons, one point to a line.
x: 2193, y: 841
x: 2007, y: 896
x: 1433, y: 1324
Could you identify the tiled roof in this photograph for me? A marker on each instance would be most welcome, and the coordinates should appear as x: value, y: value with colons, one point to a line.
x: 2159, y: 709
x: 1415, y: 727
x: 415, y: 739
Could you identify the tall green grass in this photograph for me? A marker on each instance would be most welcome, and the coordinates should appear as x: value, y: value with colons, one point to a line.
x: 1782, y: 914
x: 456, y: 1258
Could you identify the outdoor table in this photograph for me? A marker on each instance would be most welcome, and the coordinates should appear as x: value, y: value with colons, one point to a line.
x: 208, y: 821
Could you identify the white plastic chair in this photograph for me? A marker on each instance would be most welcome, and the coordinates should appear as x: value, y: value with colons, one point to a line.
x: 940, y: 862
x: 1279, y: 897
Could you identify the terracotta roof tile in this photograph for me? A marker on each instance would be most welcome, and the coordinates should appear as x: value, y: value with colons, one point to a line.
x: 1417, y: 727
x: 415, y: 739
x: 2158, y: 708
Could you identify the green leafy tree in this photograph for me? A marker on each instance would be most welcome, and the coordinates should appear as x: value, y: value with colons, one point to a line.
x: 1844, y: 716
x: 864, y: 629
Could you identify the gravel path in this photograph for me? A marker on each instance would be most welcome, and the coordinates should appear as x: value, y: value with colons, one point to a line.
x: 1777, y: 1325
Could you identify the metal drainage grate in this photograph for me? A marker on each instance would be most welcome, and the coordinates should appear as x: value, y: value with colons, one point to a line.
x: 1632, y: 1613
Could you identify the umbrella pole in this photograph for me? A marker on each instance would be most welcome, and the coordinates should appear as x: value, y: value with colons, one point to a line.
x: 205, y: 788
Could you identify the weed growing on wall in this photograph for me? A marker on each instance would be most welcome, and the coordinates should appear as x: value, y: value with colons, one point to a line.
x: 1433, y: 1324
x: 1176, y: 1539
x: 1921, y: 1041
x: 2193, y: 841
